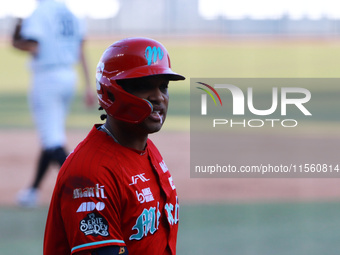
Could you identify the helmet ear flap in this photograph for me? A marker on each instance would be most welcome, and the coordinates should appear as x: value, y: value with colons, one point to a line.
x: 111, y: 96
x: 122, y: 105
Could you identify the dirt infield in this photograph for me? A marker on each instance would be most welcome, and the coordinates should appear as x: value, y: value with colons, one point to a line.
x: 19, y: 148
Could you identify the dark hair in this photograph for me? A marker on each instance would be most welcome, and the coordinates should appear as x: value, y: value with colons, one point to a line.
x: 102, y: 116
x: 112, y: 98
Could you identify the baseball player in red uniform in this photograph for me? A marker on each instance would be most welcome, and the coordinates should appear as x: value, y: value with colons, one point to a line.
x: 114, y: 194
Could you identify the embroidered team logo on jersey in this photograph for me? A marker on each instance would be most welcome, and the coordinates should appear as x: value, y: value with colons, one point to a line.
x: 94, y: 225
x: 146, y: 223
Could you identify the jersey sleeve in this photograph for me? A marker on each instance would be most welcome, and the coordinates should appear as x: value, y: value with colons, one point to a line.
x: 87, y: 206
x: 94, y: 218
x: 32, y: 27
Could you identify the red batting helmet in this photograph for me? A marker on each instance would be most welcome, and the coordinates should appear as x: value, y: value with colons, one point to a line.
x: 126, y: 59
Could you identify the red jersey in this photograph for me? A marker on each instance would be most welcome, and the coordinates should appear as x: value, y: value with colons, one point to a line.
x: 107, y: 194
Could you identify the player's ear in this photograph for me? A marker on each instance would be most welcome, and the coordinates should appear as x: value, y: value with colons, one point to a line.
x: 110, y: 250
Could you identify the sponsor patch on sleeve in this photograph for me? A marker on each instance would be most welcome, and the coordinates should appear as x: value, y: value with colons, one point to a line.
x: 95, y: 225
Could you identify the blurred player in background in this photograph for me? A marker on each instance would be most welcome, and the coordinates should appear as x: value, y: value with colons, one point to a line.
x: 114, y: 194
x: 54, y: 37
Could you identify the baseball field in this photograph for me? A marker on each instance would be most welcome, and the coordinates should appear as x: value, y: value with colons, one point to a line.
x: 218, y: 216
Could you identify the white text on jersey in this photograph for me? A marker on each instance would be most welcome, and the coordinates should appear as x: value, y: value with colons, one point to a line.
x: 163, y: 166
x: 171, y: 182
x: 145, y: 195
x: 97, y: 191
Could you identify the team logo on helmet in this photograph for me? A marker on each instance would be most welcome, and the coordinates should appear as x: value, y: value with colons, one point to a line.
x: 151, y: 54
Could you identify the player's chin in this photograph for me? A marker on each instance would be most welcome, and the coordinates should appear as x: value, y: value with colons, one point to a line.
x: 153, y: 126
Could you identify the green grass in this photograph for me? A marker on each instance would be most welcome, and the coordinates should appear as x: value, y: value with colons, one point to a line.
x: 282, y: 229
x: 237, y: 229
x: 260, y: 59
x: 21, y: 231
x: 192, y: 58
x: 206, y: 59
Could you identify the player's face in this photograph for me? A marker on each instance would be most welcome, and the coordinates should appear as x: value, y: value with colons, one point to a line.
x: 155, y: 90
